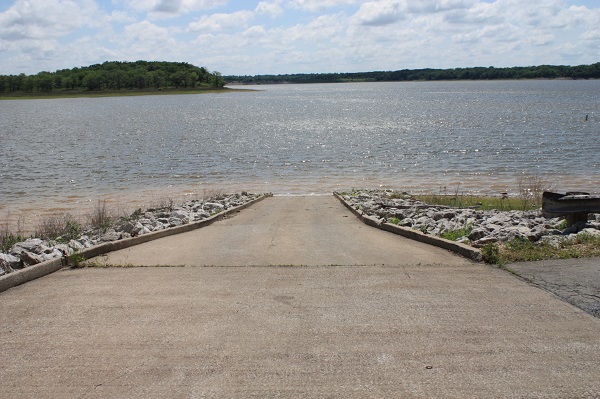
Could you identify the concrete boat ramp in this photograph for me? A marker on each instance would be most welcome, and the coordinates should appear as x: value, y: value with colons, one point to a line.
x: 293, y: 297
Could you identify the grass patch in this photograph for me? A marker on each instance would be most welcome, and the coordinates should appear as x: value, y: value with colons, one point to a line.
x: 76, y: 260
x: 8, y: 239
x: 62, y: 228
x: 101, y: 217
x: 491, y: 254
x: 455, y: 234
x: 8, y: 236
x: 520, y: 250
x: 529, y: 197
x: 472, y: 201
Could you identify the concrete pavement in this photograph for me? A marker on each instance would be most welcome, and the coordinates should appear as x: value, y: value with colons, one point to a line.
x: 315, y: 230
x: 418, y: 322
x: 576, y: 281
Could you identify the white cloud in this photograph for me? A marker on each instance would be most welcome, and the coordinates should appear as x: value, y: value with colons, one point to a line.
x: 42, y: 19
x: 319, y: 5
x: 272, y: 8
x: 379, y: 13
x: 321, y: 28
x: 146, y: 32
x: 432, y: 6
x: 170, y: 8
x: 255, y: 31
x: 219, y: 22
x: 502, y: 32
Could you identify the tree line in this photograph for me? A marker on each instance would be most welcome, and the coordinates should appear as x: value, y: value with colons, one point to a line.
x: 114, y: 75
x: 475, y: 73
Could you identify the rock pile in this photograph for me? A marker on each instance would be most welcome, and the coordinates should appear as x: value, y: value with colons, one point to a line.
x: 35, y: 250
x: 479, y: 227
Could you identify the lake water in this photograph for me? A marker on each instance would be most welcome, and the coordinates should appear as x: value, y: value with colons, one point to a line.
x: 64, y: 154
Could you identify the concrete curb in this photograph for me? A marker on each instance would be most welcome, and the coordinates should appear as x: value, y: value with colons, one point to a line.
x: 22, y: 276
x: 458, y: 248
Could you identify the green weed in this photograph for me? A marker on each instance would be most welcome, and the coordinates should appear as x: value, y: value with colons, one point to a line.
x: 562, y: 225
x: 76, y: 259
x: 8, y: 236
x: 101, y: 218
x: 517, y: 250
x: 491, y: 254
x: 455, y: 234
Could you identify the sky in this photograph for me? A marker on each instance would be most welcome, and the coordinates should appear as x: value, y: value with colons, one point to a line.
x: 298, y: 36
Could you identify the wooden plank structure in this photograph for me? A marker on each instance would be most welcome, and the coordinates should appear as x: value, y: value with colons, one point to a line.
x: 574, y: 206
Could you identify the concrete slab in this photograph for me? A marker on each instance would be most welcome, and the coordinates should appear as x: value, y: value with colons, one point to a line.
x: 315, y: 230
x: 365, y: 331
x: 413, y: 321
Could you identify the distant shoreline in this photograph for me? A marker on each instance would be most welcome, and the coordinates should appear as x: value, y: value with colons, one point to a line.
x: 578, y: 72
x: 112, y: 93
x: 276, y: 83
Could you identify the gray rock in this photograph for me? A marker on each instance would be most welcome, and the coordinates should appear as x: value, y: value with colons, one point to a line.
x: 110, y: 235
x: 488, y: 226
x: 553, y: 241
x: 520, y: 232
x: 448, y: 215
x: 53, y: 254
x: 149, y: 215
x: 8, y: 263
x: 485, y: 240
x: 590, y: 231
x: 127, y: 227
x: 157, y: 226
x: 407, y: 222
x: 424, y: 220
x: 31, y: 245
x: 201, y: 214
x: 64, y: 249
x: 86, y: 241
x: 197, y: 207
x: 35, y: 250
x: 30, y: 259
x: 183, y: 216
x: 137, y: 229
x: 175, y: 222
x: 477, y: 234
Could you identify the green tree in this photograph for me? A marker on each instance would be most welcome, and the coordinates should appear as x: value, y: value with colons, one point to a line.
x: 93, y: 80
x: 45, y: 81
x: 216, y: 80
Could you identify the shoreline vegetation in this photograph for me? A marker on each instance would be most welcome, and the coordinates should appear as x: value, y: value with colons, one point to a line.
x: 113, y: 93
x: 139, y: 78
x: 591, y: 71
x: 113, y: 78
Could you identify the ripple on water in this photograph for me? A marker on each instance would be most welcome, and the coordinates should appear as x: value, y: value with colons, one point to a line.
x: 479, y: 136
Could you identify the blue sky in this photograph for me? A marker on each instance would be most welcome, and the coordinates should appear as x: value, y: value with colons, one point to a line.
x: 298, y: 36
